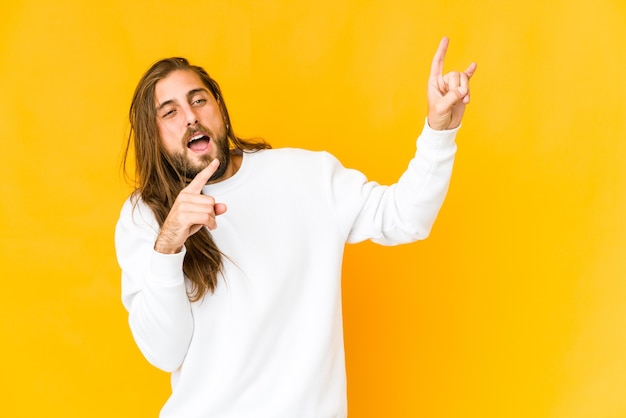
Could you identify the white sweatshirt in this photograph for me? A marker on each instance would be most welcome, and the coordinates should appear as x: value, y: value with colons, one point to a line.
x: 269, y: 342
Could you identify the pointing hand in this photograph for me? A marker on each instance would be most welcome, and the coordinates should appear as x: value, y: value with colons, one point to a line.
x: 190, y: 212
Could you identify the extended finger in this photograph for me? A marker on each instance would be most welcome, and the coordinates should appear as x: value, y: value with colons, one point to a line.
x: 201, y: 179
x: 436, y: 68
x: 471, y: 69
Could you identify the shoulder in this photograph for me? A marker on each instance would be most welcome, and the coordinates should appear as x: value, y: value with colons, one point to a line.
x: 293, y: 156
x: 135, y: 211
x: 303, y: 168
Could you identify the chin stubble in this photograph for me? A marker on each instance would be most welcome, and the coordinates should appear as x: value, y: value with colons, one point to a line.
x: 189, y: 170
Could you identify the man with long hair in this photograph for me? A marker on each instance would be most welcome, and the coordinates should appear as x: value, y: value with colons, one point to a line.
x: 247, y: 317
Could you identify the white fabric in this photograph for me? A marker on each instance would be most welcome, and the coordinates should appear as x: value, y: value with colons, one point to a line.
x: 269, y: 342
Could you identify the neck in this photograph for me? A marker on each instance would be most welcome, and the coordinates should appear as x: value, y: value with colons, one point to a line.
x: 236, y: 157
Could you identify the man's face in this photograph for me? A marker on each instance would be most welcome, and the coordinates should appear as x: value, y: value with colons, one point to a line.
x: 190, y: 123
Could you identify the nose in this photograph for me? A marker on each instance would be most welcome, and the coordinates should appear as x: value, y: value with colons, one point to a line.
x: 190, y: 116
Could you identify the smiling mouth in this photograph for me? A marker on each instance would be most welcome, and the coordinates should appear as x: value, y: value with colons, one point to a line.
x: 199, y: 142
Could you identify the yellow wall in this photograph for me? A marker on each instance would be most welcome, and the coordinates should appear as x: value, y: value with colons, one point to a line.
x: 515, y: 307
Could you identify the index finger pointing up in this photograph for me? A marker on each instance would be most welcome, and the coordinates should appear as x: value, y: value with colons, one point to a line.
x: 201, y: 179
x: 436, y: 68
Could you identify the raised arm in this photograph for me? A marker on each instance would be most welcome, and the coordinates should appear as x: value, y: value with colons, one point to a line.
x: 405, y: 211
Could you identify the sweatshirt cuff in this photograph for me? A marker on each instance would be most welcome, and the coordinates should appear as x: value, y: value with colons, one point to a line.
x: 435, y: 139
x: 167, y: 269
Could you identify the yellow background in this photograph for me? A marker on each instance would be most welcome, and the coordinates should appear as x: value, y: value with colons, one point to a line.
x: 516, y: 305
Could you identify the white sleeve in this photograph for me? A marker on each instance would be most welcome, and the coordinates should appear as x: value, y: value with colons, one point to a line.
x: 153, y: 289
x: 405, y: 211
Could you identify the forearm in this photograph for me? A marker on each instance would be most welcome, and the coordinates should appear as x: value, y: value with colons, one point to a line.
x: 420, y: 191
x: 153, y: 291
x: 405, y: 211
x: 160, y: 315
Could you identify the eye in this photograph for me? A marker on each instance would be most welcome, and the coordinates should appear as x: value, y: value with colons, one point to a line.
x: 168, y: 113
x: 198, y: 102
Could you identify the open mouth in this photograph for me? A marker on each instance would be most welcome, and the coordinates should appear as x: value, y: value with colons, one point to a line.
x: 199, y: 142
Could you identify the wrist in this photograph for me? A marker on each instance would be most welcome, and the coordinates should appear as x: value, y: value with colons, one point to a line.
x: 164, y: 247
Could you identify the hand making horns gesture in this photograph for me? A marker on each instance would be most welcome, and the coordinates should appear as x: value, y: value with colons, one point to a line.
x: 447, y: 94
x: 190, y: 212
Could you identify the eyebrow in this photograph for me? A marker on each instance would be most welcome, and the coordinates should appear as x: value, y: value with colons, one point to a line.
x: 190, y: 93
